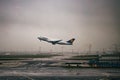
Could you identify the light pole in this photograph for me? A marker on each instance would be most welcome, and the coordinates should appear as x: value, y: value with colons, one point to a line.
x: 62, y: 49
x: 90, y: 46
x: 39, y: 49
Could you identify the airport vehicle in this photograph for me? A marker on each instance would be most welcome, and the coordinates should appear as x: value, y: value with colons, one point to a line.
x: 60, y: 42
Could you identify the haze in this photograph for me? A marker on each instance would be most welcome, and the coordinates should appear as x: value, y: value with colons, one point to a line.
x: 95, y: 22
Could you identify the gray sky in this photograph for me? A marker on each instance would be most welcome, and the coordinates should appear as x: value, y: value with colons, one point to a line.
x: 93, y: 22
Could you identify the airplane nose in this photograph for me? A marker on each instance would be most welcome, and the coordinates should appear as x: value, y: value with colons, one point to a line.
x: 39, y: 38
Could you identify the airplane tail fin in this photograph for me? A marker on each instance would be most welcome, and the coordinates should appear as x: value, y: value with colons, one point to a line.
x: 71, y: 40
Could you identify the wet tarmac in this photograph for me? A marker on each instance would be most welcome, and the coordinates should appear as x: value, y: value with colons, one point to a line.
x: 57, y: 78
x: 49, y: 69
x: 41, y: 70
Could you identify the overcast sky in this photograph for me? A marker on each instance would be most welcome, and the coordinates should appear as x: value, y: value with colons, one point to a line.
x: 95, y: 22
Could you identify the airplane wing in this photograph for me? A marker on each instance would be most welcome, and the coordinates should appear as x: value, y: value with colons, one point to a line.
x: 54, y: 42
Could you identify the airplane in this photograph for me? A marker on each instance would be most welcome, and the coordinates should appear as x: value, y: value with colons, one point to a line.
x: 60, y: 42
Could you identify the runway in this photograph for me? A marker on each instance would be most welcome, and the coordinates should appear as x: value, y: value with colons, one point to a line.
x: 58, y: 73
x: 39, y: 70
x: 49, y: 69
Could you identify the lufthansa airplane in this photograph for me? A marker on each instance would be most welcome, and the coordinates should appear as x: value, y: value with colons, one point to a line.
x: 60, y: 42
